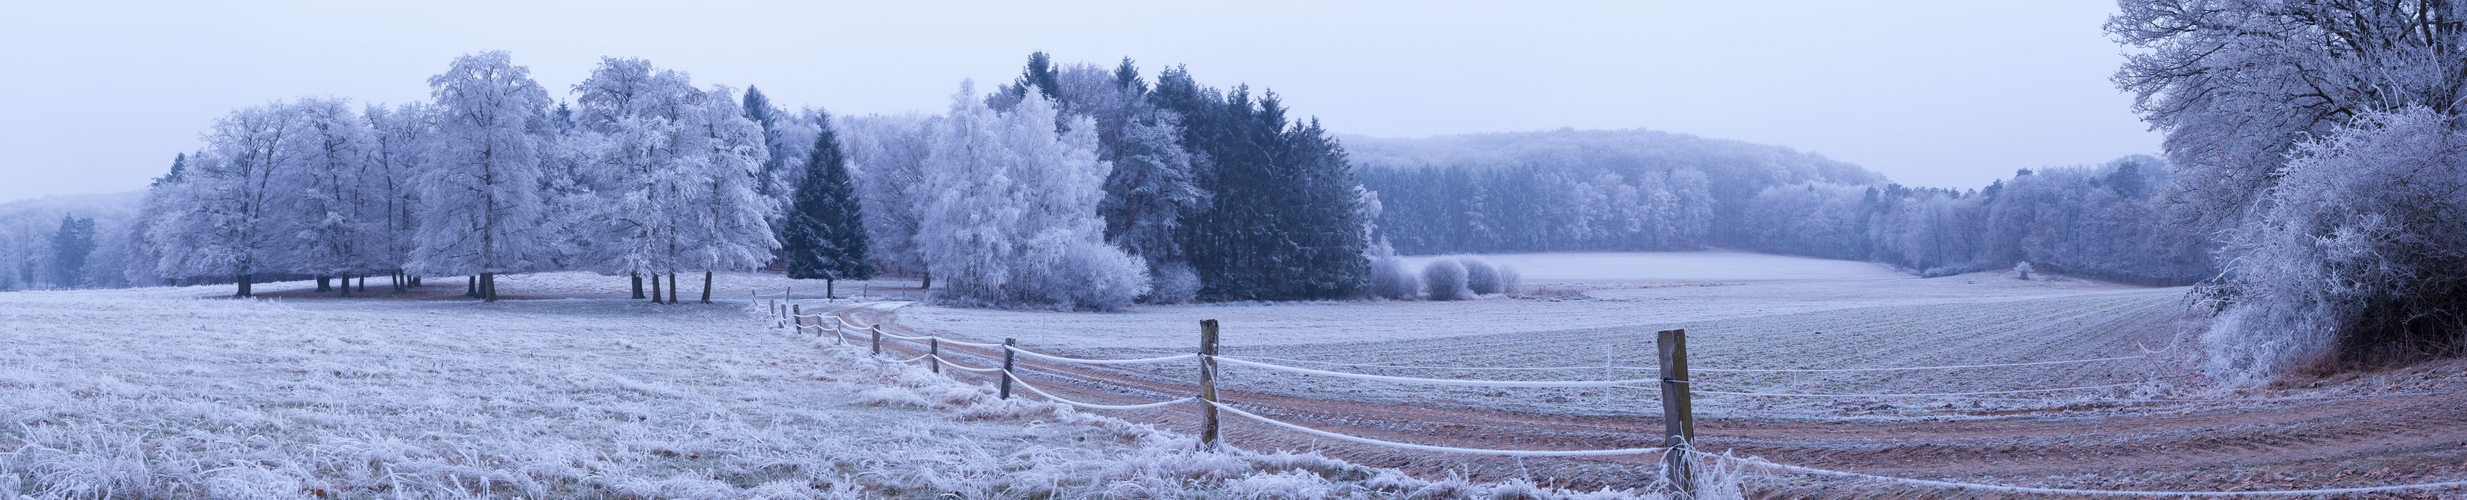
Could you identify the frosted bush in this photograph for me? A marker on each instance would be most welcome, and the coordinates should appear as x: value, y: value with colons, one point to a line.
x: 1444, y: 279
x: 2358, y: 259
x: 1175, y: 283
x: 2022, y: 269
x: 1095, y: 276
x: 1480, y: 278
x: 1510, y: 280
x: 1391, y: 280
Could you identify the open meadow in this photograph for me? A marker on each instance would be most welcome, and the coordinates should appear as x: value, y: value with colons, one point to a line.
x: 182, y: 393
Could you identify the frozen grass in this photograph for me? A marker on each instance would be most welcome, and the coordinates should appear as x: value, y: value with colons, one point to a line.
x: 154, y: 393
x: 1834, y: 321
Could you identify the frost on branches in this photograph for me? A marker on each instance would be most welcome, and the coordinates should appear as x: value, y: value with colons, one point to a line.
x: 2323, y: 136
x: 1009, y: 216
x: 2360, y: 257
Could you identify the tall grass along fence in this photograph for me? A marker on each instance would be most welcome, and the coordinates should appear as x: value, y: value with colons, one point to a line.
x: 1679, y: 459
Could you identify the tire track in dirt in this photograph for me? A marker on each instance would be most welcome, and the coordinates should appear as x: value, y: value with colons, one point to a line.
x: 2147, y: 446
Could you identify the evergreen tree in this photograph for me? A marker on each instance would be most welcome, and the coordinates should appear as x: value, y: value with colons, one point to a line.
x: 69, y: 248
x: 825, y: 234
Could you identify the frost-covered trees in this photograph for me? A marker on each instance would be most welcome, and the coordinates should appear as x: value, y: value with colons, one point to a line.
x: 889, y: 153
x: 480, y: 202
x: 2237, y: 83
x: 2323, y: 137
x: 2361, y: 257
x: 398, y: 148
x: 824, y: 235
x: 677, y: 172
x: 1009, y: 216
x: 330, y: 205
x: 226, y: 222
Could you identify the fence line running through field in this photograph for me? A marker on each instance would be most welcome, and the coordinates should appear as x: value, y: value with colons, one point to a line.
x: 1009, y: 376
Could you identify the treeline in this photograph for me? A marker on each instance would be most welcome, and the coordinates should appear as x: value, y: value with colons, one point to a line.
x: 1575, y: 190
x: 65, y: 242
x: 1642, y: 190
x: 1074, y: 186
x: 2107, y: 222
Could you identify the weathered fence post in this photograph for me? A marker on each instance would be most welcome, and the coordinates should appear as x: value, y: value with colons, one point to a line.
x: 1006, y: 366
x: 877, y: 341
x: 933, y: 354
x: 1207, y: 384
x: 1678, y: 416
x: 796, y: 316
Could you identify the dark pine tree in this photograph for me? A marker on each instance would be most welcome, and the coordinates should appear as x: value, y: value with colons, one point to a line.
x: 825, y: 236
x: 70, y: 247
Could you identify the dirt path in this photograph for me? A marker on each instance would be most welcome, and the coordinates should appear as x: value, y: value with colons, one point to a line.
x: 2171, y: 447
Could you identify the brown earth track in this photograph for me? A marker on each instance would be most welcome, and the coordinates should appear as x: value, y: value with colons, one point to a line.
x: 2260, y: 445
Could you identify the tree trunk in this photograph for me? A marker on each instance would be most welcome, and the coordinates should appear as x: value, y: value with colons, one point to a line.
x: 829, y: 291
x: 471, y: 286
x: 363, y: 283
x: 488, y: 287
x: 929, y: 281
x: 326, y: 283
x: 672, y: 288
x: 415, y: 281
x: 346, y: 287
x: 706, y: 287
x: 656, y: 298
x: 637, y: 284
x: 243, y: 280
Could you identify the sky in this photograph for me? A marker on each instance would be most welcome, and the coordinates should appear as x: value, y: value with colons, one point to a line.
x: 101, y: 95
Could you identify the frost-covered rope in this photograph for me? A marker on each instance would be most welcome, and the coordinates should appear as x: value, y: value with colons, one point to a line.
x: 2063, y: 491
x: 1913, y: 394
x: 1059, y: 399
x: 1500, y: 368
x: 946, y: 363
x: 1439, y: 381
x: 1424, y: 447
x: 913, y: 360
x: 1050, y: 357
x: 889, y: 335
x: 1907, y: 368
x: 970, y: 344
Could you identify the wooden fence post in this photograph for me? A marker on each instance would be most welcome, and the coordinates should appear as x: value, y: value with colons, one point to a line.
x: 1678, y: 415
x: 933, y: 354
x: 877, y: 341
x: 795, y: 316
x: 1207, y: 384
x: 1006, y: 366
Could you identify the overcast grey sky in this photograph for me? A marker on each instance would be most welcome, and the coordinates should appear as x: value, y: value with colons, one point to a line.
x: 100, y: 95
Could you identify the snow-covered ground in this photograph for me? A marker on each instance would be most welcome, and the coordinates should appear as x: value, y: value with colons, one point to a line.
x: 175, y: 392
x: 1741, y: 311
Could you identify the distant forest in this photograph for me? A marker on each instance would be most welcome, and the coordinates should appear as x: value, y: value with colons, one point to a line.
x: 1570, y: 190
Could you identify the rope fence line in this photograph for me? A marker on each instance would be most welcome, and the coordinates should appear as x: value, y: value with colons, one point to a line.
x: 1681, y: 431
x: 1916, y: 394
x: 1059, y: 399
x: 1424, y: 447
x: 1441, y: 381
x: 1712, y: 370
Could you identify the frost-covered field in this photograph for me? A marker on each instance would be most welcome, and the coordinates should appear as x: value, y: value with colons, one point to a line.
x: 1740, y: 310
x: 175, y: 393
